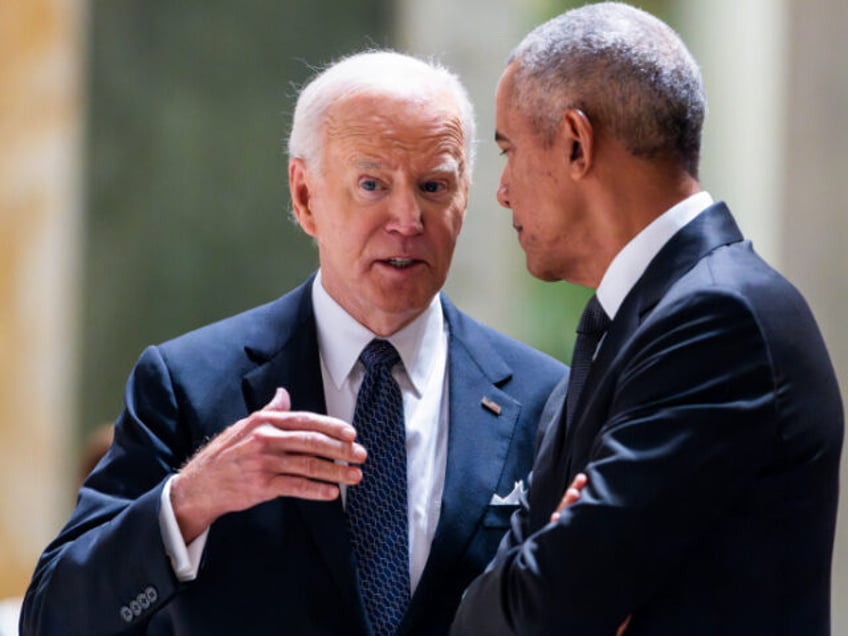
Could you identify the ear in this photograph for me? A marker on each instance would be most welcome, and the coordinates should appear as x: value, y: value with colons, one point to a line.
x: 300, y: 187
x: 580, y: 141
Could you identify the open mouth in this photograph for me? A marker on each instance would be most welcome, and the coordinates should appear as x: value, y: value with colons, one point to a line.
x: 400, y: 263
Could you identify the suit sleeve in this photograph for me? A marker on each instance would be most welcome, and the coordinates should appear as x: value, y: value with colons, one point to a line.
x: 107, y: 572
x: 690, y: 420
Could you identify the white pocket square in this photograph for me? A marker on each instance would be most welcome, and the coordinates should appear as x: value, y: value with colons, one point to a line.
x: 512, y: 499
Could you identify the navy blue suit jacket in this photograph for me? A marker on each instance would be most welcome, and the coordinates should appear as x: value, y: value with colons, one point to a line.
x: 710, y: 428
x: 283, y: 567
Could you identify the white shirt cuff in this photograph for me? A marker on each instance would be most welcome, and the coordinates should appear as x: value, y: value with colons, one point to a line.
x: 185, y: 559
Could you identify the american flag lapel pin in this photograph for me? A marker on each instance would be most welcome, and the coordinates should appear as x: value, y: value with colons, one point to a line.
x: 491, y: 405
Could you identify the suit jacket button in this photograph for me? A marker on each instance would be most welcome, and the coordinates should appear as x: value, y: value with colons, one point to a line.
x: 126, y: 614
x: 151, y: 594
x: 142, y: 600
x: 135, y: 606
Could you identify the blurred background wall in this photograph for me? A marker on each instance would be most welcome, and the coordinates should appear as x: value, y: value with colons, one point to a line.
x: 143, y: 189
x: 41, y: 235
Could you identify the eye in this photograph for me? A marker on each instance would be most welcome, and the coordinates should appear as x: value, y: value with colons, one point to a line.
x: 432, y: 187
x: 369, y: 185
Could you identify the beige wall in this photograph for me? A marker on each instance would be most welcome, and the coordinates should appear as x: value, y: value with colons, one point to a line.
x: 815, y: 217
x: 40, y: 129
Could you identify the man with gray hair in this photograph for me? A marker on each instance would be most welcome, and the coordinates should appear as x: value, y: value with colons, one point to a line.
x: 702, y: 419
x: 343, y: 460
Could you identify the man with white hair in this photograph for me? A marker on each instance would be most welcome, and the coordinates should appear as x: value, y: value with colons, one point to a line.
x: 342, y: 460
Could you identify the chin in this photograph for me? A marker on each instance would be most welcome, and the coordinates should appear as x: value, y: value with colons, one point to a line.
x: 542, y: 273
x: 407, y: 304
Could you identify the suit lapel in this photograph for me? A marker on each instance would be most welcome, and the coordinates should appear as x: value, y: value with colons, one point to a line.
x: 711, y: 229
x: 478, y: 445
x: 296, y: 367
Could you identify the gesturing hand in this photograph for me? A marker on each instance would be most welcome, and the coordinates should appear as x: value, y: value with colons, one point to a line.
x: 273, y: 452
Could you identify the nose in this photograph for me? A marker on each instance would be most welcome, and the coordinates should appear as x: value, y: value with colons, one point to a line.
x: 405, y: 215
x: 503, y: 194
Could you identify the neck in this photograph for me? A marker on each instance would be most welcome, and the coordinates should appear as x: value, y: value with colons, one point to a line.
x: 628, y: 200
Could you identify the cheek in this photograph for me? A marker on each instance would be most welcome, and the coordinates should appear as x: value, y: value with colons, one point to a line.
x: 457, y: 217
x: 520, y: 183
x: 342, y: 245
x: 443, y: 233
x: 355, y: 228
x: 453, y: 225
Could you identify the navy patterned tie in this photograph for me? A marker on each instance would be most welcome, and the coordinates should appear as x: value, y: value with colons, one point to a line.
x: 376, y: 507
x: 591, y: 328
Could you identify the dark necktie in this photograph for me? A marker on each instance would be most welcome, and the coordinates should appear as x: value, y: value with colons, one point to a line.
x: 376, y: 507
x: 591, y: 328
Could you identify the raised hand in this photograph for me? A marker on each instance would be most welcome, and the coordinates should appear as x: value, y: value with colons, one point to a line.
x: 273, y: 452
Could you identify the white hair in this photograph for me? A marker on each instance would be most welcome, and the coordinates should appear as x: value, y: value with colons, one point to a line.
x: 383, y: 72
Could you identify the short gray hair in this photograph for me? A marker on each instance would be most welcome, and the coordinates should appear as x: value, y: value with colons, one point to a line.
x: 629, y: 73
x: 384, y: 72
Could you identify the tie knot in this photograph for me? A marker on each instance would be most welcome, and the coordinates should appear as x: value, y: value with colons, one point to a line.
x: 379, y: 353
x: 594, y: 319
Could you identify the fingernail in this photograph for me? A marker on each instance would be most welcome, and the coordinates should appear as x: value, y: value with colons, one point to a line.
x: 275, y: 401
x: 331, y: 492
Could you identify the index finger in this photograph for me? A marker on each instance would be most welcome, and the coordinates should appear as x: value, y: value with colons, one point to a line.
x: 308, y: 421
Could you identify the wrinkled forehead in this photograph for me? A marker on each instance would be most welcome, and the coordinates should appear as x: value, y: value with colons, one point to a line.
x: 423, y: 128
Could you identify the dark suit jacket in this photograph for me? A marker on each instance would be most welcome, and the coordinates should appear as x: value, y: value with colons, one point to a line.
x: 283, y: 567
x: 710, y: 428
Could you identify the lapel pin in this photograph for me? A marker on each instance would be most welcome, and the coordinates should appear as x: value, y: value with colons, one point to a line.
x: 494, y: 407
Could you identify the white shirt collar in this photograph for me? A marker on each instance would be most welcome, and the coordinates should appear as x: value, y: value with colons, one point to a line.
x: 633, y: 259
x: 341, y: 338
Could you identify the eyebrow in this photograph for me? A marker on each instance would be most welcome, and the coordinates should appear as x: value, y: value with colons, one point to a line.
x: 450, y: 165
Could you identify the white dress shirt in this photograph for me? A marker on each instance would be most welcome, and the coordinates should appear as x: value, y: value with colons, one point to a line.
x: 423, y: 379
x: 633, y: 259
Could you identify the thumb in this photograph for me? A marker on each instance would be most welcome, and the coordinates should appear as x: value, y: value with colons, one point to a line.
x: 280, y: 402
